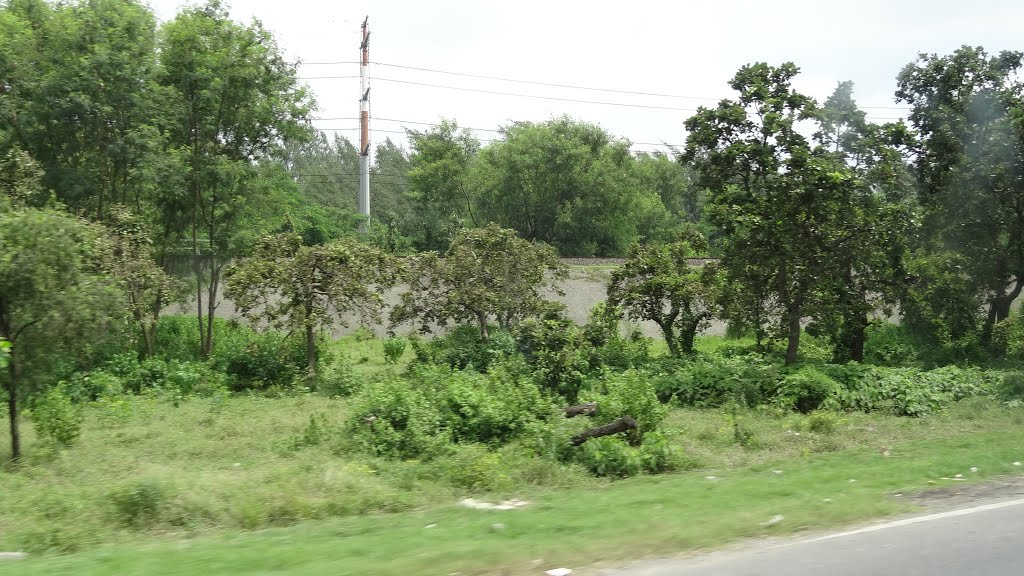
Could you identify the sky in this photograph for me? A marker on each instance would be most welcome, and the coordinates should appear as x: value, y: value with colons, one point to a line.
x: 687, y: 50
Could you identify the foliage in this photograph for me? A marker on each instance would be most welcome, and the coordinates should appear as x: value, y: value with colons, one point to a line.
x: 138, y: 503
x: 339, y: 379
x: 420, y: 415
x: 233, y: 100
x: 714, y: 380
x: 438, y: 184
x: 967, y: 109
x: 658, y: 283
x: 462, y: 348
x: 941, y: 308
x: 805, y: 390
x: 570, y: 184
x: 612, y: 349
x: 394, y: 347
x: 558, y: 354
x: 487, y: 273
x: 612, y: 456
x: 905, y: 391
x: 54, y: 295
x: 627, y: 393
x: 55, y: 418
x: 310, y: 288
x: 891, y: 345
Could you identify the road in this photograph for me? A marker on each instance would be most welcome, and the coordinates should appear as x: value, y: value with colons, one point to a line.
x: 983, y: 540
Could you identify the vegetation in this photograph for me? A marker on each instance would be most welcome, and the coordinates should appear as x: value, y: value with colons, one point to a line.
x: 146, y: 168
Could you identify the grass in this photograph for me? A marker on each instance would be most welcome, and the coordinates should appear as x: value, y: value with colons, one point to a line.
x: 648, y: 515
x: 236, y: 485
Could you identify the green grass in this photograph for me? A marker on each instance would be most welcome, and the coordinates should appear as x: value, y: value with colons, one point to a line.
x: 229, y: 485
x: 627, y: 519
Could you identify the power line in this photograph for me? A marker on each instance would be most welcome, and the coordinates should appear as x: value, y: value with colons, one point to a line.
x: 554, y: 84
x: 482, y: 140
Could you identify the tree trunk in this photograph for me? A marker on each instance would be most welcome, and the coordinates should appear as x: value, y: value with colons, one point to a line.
x: 670, y: 337
x: 310, y: 344
x: 481, y: 319
x: 588, y: 409
x: 999, y: 309
x: 687, y: 335
x: 794, y: 336
x: 12, y: 405
x: 197, y: 269
x: 211, y: 304
x: 620, y: 425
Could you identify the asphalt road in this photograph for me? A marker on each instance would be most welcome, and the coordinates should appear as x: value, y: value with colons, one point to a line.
x: 985, y: 540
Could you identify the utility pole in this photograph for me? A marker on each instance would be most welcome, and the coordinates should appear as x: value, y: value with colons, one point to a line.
x: 364, y: 128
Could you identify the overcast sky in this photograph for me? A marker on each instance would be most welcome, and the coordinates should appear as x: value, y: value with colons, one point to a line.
x: 680, y: 48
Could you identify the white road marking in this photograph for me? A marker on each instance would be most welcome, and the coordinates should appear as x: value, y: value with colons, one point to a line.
x: 914, y: 520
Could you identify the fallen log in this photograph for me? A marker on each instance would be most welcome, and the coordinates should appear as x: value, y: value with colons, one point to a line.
x: 588, y: 409
x: 620, y: 425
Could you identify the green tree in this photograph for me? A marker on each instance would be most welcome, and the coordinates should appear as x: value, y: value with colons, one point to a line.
x: 54, y: 295
x: 567, y: 183
x: 487, y: 273
x: 235, y: 103
x: 295, y: 287
x: 438, y: 179
x: 969, y: 111
x: 783, y: 206
x: 658, y: 283
x: 81, y: 99
x: 879, y: 222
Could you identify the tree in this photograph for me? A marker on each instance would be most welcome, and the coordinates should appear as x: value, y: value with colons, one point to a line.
x: 147, y: 287
x: 487, y: 273
x: 969, y: 110
x: 879, y: 222
x: 658, y: 283
x: 295, y: 287
x: 236, y: 102
x: 783, y: 206
x: 438, y: 179
x: 567, y: 183
x: 81, y: 99
x: 54, y: 294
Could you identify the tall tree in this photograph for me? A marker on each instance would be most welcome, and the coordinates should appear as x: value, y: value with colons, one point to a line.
x: 969, y: 109
x: 439, y: 183
x: 236, y: 102
x: 783, y: 206
x: 567, y: 183
x: 81, y: 99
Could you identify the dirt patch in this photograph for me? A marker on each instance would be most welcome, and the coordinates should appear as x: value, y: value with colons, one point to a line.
x: 961, y: 494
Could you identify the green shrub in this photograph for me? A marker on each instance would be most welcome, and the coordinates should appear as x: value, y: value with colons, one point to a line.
x: 906, y: 391
x: 416, y: 416
x: 822, y: 422
x: 805, y: 390
x: 474, y: 467
x: 611, y: 456
x: 558, y: 353
x: 610, y: 349
x: 659, y: 454
x: 56, y: 418
x: 462, y: 348
x: 394, y: 347
x: 1012, y: 385
x: 393, y: 419
x: 890, y: 345
x: 714, y: 380
x: 339, y: 379
x: 88, y: 386
x: 627, y: 393
x: 139, y: 503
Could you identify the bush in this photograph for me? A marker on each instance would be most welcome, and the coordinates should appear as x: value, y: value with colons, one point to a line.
x: 339, y: 379
x: 558, y: 353
x: 462, y: 348
x: 822, y: 422
x: 612, y: 456
x: 890, y: 345
x: 627, y: 393
x: 56, y: 418
x: 805, y: 390
x: 412, y: 416
x: 715, y: 380
x: 394, y: 419
x: 610, y: 349
x: 906, y: 391
x: 268, y: 360
x: 139, y: 503
x: 394, y: 347
x: 474, y: 467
